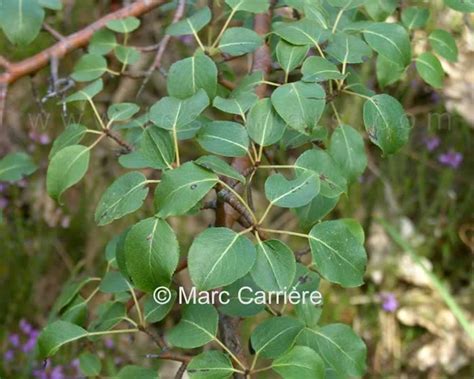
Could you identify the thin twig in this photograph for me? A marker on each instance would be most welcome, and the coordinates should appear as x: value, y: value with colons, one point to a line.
x: 58, y: 36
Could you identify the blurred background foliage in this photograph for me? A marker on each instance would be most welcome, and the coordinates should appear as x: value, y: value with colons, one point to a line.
x: 426, y: 192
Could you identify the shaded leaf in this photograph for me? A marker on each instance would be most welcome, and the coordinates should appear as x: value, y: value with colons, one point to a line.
x: 89, y: 364
x: 89, y: 67
x: 102, y: 42
x: 264, y: 125
x: 225, y: 138
x: 346, y: 48
x: 430, y: 69
x: 15, y: 166
x: 210, y: 364
x: 317, y: 69
x: 302, y: 32
x: 444, y: 44
x: 157, y: 147
x: 72, y: 135
x: 415, y: 17
x: 122, y: 111
x: 87, y: 93
x: 238, y: 103
x: 124, y: 25
x: 154, y: 312
x: 192, y: 24
x: 254, y: 6
x: 127, y: 55
x: 292, y: 193
x: 239, y: 41
x: 299, y: 362
x: 290, y: 56
x: 56, y: 335
x: 21, y: 20
x: 219, y: 166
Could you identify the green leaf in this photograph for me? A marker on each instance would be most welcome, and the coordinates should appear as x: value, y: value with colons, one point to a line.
x: 316, y: 210
x: 386, y: 123
x: 333, y: 182
x: 72, y: 135
x: 89, y: 364
x: 210, y: 364
x: 197, y: 327
x: 239, y: 41
x: 124, y: 196
x: 388, y: 72
x: 15, y: 166
x: 89, y: 67
x: 317, y: 13
x: 346, y: 4
x: 381, y: 9
x: 430, y: 69
x: 190, y: 25
x: 300, y: 104
x: 151, y: 254
x: 242, y: 302
x: 275, y: 267
x: 300, y: 362
x: 122, y: 111
x: 444, y: 44
x: 102, y: 42
x: 87, y: 93
x: 21, y: 20
x: 292, y: 193
x: 274, y: 336
x: 218, y: 257
x: 346, y: 48
x: 154, y: 312
x: 340, y: 347
x: 465, y: 6
x: 173, y: 114
x: 264, y: 125
x: 56, y: 335
x: 187, y: 76
x: 355, y: 228
x: 182, y: 188
x: 55, y: 5
x: 219, y: 166
x: 137, y: 372
x: 253, y: 6
x: 127, y: 55
x: 347, y: 148
x: 226, y: 138
x: 391, y: 41
x: 317, y: 69
x: 236, y: 104
x: 67, y: 167
x: 337, y: 254
x: 76, y: 312
x: 290, y: 56
x: 124, y: 25
x: 157, y: 147
x: 303, y: 32
x: 113, y: 282
x: 415, y: 17
x: 69, y: 292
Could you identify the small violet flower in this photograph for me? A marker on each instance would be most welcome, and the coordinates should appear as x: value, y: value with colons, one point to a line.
x: 8, y: 356
x: 389, y: 302
x: 432, y: 143
x: 109, y: 343
x: 451, y: 159
x: 25, y: 326
x: 14, y: 338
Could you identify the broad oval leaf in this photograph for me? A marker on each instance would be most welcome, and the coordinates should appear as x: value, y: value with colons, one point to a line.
x: 241, y: 303
x: 226, y: 138
x: 290, y: 56
x: 337, y: 253
x: 56, y: 335
x: 151, y: 254
x: 72, y: 135
x: 182, y: 188
x: 430, y: 69
x: 127, y: 55
x: 333, y: 182
x: 346, y: 4
x: 102, y: 42
x: 190, y: 25
x: 67, y: 167
x: 339, y: 346
x: 210, y: 364
x: 386, y: 123
x: 15, y: 166
x: 188, y: 75
x: 275, y: 267
x: 197, y: 327
x: 238, y: 103
x: 465, y: 6
x: 154, y: 312
x: 55, y: 5
x: 346, y: 48
x: 302, y: 32
x: 219, y: 166
x: 122, y: 111
x: 89, y: 67
x: 124, y: 196
x: 89, y: 364
x: 294, y: 193
x: 316, y: 210
x: 253, y: 6
x: 264, y: 125
x: 239, y: 41
x: 300, y: 104
x: 387, y: 71
x: 317, y: 69
x: 347, y: 148
x: 391, y: 41
x: 381, y: 9
x: 124, y: 25
x: 300, y: 362
x: 415, y: 17
x: 157, y: 146
x: 114, y: 282
x: 444, y: 44
x: 21, y: 20
x: 218, y: 257
x: 87, y: 93
x: 132, y: 371
x: 274, y: 336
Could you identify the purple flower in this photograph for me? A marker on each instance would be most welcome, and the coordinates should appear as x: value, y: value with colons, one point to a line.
x: 44, y: 139
x: 3, y: 187
x: 432, y: 142
x: 187, y: 39
x: 389, y: 302
x: 57, y: 373
x: 40, y: 374
x: 3, y: 203
x: 451, y: 159
x: 109, y: 343
x: 25, y: 326
x: 9, y: 355
x: 14, y: 338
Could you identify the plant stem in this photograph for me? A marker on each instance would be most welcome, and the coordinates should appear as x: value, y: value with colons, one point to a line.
x: 226, y: 24
x: 232, y: 355
x: 285, y: 232
x: 96, y: 112
x: 356, y: 94
x: 137, y: 305
x: 112, y: 332
x: 244, y: 203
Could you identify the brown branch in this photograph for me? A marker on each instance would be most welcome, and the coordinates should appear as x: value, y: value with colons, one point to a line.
x: 179, y: 13
x: 53, y: 32
x: 72, y: 42
x: 126, y: 146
